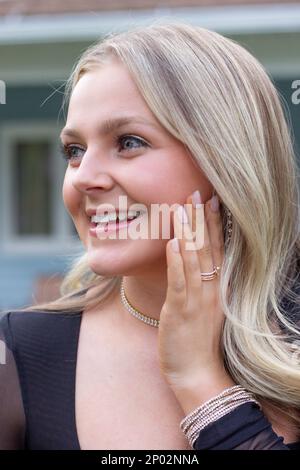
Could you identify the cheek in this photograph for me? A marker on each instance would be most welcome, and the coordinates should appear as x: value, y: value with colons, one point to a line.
x: 169, y: 178
x: 70, y: 196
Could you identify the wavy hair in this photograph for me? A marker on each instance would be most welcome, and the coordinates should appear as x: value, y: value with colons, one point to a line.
x: 212, y: 95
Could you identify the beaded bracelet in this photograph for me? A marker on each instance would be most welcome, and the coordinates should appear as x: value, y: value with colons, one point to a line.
x: 214, y: 409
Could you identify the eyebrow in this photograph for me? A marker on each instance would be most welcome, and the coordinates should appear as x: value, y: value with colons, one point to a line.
x: 110, y: 125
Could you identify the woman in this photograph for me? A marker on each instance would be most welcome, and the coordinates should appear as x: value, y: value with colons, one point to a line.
x: 159, y: 342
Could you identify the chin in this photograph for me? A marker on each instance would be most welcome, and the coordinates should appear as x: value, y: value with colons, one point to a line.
x: 108, y: 262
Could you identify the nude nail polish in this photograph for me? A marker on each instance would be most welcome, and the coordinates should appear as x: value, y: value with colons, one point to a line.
x: 182, y: 215
x: 214, y: 204
x: 175, y: 245
x: 196, y: 198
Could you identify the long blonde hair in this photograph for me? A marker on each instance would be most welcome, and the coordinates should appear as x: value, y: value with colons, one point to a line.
x: 213, y: 96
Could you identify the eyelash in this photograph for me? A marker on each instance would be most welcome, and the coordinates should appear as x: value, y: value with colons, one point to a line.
x: 65, y: 149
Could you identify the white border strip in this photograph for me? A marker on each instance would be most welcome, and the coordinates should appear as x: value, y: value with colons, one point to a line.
x: 20, y: 29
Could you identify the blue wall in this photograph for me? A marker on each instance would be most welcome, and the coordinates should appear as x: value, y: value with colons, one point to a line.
x: 17, y: 275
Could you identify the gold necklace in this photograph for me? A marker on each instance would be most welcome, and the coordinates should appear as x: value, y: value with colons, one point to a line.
x: 136, y: 313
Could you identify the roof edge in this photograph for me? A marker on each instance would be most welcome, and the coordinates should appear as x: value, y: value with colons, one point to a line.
x: 242, y: 19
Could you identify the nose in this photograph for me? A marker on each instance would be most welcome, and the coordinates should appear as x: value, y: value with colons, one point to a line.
x: 93, y: 173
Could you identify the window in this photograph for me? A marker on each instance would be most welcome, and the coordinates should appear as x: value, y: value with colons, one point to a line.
x: 34, y: 218
x: 31, y: 173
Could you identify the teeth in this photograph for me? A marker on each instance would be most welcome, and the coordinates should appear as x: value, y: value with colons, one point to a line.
x: 102, y: 219
x: 122, y: 217
x: 133, y: 214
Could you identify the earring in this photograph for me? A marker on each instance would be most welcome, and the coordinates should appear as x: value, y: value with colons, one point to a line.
x: 228, y: 225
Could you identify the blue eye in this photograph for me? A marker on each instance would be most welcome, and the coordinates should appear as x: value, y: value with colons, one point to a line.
x: 69, y: 151
x: 128, y: 138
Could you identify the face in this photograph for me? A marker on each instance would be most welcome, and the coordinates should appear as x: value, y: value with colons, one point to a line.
x: 139, y: 160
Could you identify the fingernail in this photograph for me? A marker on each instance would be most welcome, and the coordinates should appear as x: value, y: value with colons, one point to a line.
x: 214, y: 203
x: 175, y: 245
x: 182, y: 215
x: 196, y: 198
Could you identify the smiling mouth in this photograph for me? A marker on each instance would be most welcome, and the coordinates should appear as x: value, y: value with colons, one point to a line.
x: 113, y: 224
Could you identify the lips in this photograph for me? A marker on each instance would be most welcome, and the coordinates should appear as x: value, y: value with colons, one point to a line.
x: 109, y: 226
x: 128, y: 219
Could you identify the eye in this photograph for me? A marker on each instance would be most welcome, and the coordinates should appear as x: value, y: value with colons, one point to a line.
x: 123, y: 142
x: 69, y: 151
x: 127, y: 140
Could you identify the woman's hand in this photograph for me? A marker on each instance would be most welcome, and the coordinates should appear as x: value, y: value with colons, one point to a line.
x: 191, y: 318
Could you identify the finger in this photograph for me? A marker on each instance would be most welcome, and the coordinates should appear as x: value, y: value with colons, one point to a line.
x: 176, y: 289
x: 196, y: 220
x: 204, y: 249
x: 182, y: 230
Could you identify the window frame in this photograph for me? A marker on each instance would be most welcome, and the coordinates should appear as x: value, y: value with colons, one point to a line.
x: 62, y: 239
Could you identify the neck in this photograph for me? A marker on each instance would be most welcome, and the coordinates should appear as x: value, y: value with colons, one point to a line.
x: 147, y: 294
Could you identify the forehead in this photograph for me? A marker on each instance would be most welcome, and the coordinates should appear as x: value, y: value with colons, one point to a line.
x: 105, y: 93
x: 108, y: 84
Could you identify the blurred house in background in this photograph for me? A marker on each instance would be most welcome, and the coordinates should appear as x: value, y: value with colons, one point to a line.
x: 39, y: 43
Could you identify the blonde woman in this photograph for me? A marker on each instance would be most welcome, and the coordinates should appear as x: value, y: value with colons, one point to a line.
x: 166, y: 343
